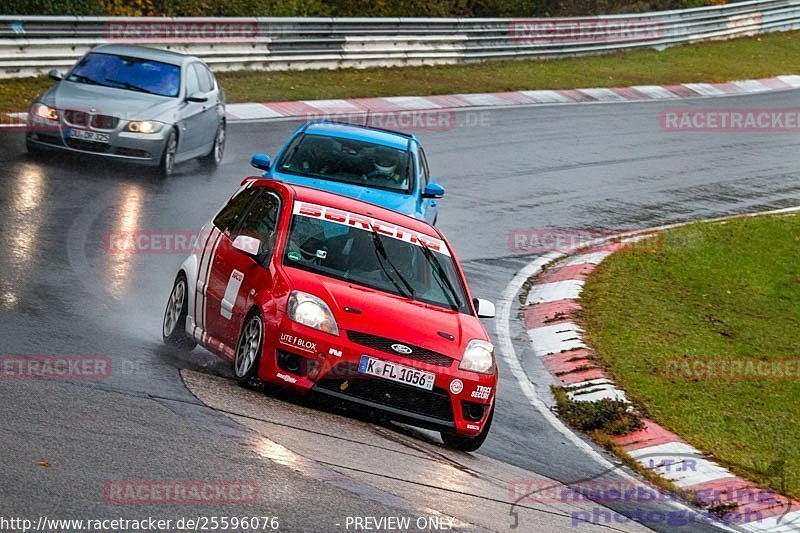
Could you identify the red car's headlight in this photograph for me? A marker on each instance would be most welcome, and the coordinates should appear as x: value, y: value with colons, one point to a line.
x: 478, y: 357
x: 311, y: 311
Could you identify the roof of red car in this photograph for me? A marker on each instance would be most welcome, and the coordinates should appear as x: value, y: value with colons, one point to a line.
x: 345, y: 203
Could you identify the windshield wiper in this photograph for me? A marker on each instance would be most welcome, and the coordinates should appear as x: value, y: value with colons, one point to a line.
x: 380, y: 252
x: 441, y: 277
x: 84, y: 79
x: 127, y: 85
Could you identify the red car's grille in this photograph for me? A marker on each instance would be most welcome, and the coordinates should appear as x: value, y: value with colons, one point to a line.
x: 433, y: 404
x: 385, y: 345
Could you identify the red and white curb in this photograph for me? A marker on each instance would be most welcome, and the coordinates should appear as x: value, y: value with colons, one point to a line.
x: 360, y: 107
x: 356, y: 107
x: 551, y: 303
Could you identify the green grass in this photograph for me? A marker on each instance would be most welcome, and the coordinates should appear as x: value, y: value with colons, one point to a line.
x: 719, y: 61
x: 714, y: 291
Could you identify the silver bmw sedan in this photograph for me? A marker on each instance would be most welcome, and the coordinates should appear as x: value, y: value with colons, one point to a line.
x: 133, y: 103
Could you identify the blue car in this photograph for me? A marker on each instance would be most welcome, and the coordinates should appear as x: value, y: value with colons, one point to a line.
x: 383, y: 167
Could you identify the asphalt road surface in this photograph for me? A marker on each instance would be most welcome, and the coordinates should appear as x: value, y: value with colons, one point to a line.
x: 160, y: 415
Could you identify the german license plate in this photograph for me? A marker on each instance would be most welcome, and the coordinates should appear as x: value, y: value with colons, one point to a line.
x: 86, y: 135
x: 394, y: 372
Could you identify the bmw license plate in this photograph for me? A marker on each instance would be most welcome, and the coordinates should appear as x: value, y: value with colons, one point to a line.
x: 394, y: 372
x: 86, y: 135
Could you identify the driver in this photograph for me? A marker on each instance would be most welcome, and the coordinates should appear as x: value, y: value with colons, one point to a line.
x: 315, y: 154
x: 387, y: 170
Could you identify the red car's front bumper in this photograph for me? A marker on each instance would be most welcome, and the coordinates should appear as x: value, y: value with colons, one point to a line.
x: 303, y: 359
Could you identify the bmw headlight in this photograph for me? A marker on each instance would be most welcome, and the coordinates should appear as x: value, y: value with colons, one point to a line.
x: 145, y: 126
x: 40, y: 110
x: 478, y: 357
x: 311, y: 311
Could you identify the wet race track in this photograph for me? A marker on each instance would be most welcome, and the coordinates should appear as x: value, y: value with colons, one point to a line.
x: 160, y: 415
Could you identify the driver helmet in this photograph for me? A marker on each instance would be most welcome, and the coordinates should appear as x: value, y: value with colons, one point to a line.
x: 385, y: 161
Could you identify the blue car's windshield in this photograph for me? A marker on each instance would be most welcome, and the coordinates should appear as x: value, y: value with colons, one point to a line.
x: 349, y: 161
x: 130, y: 73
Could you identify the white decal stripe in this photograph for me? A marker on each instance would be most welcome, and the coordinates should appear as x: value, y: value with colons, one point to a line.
x: 197, y: 280
x: 206, y: 278
x: 346, y: 218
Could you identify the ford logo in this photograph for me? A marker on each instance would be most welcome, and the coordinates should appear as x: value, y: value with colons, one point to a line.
x: 401, y: 348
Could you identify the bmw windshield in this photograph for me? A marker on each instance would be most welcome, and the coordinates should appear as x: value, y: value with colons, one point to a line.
x: 375, y: 254
x: 349, y: 161
x: 129, y: 73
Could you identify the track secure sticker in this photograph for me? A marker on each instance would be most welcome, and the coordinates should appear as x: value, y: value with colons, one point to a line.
x: 456, y: 386
x: 481, y: 392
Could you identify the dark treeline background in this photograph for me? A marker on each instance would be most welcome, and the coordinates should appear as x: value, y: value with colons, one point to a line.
x: 342, y: 8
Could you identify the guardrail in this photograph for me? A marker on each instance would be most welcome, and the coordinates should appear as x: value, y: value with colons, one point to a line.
x: 32, y: 45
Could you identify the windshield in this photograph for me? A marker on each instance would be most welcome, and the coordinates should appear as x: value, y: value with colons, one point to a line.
x: 375, y: 254
x: 349, y: 161
x: 130, y: 73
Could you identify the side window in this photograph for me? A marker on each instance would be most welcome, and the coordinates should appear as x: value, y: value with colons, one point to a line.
x: 227, y: 219
x: 261, y: 220
x: 192, y: 82
x: 203, y: 77
x: 424, y: 163
x: 210, y: 76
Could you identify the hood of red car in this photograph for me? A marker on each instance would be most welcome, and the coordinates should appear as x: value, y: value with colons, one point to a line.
x: 392, y: 317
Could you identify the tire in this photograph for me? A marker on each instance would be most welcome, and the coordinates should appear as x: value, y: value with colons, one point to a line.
x: 167, y: 165
x: 31, y: 148
x: 468, y: 444
x: 214, y: 157
x: 248, y: 351
x: 173, y: 327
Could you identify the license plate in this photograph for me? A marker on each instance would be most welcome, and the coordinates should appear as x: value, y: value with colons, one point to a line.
x: 394, y: 372
x: 86, y: 135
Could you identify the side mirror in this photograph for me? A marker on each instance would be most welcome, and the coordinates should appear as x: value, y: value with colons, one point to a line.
x: 485, y: 308
x: 260, y: 161
x: 197, y: 97
x: 247, y: 244
x: 56, y: 75
x: 433, y: 190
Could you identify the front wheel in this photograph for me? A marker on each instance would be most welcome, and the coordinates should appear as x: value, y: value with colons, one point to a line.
x: 31, y: 148
x: 468, y: 444
x: 167, y: 165
x: 214, y: 157
x: 248, y: 351
x: 174, y: 325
